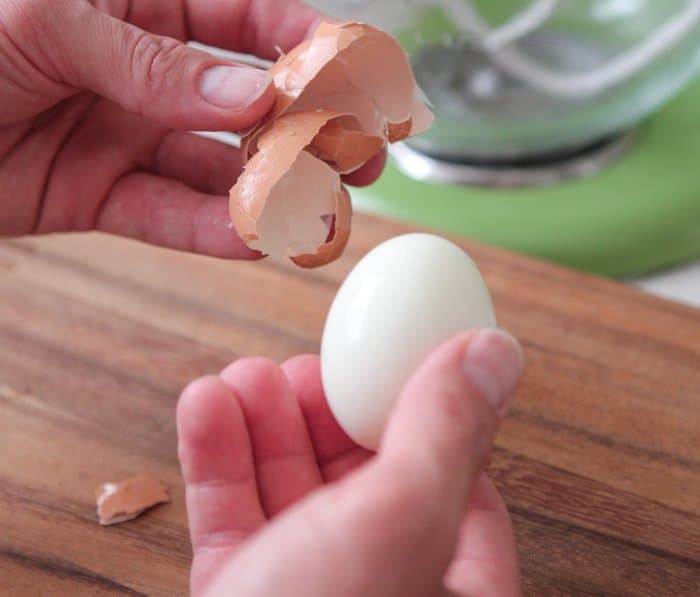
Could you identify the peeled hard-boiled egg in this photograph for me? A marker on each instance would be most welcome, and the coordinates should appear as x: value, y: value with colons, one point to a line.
x: 400, y: 302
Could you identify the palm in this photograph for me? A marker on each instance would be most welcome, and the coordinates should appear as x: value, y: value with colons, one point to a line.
x: 259, y: 440
x: 100, y: 167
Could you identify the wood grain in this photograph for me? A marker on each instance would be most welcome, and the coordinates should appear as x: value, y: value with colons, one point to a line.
x: 598, y: 462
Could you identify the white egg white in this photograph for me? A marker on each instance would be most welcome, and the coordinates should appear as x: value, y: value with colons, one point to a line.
x: 400, y: 302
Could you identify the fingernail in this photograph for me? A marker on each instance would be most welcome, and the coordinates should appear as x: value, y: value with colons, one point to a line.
x: 233, y: 87
x: 493, y: 362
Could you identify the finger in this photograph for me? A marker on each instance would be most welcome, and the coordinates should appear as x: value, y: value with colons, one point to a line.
x: 486, y: 560
x: 82, y: 194
x: 284, y: 458
x: 167, y: 213
x: 212, y: 167
x: 217, y: 464
x: 446, y: 418
x: 202, y: 164
x: 335, y: 452
x: 369, y: 173
x: 259, y: 27
x: 158, y: 77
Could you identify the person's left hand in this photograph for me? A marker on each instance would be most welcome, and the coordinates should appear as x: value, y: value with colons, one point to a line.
x: 96, y: 101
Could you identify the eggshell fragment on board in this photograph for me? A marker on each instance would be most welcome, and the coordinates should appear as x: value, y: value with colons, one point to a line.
x: 128, y: 499
x: 342, y: 96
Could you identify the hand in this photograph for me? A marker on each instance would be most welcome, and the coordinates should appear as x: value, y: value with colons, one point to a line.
x: 281, y: 502
x: 94, y: 114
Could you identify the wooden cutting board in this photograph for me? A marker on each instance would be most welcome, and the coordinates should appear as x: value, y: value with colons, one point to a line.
x: 598, y: 462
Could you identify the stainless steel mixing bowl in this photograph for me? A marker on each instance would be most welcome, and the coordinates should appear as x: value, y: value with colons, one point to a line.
x: 515, y: 81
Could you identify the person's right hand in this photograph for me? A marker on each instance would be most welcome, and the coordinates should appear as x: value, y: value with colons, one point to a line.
x: 96, y: 101
x: 281, y: 502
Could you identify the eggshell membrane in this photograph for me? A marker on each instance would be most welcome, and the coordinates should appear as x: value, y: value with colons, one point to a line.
x: 281, y: 173
x: 341, y: 97
x: 340, y: 235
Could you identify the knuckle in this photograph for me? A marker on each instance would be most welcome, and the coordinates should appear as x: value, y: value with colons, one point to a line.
x: 404, y: 493
x: 466, y: 413
x: 155, y: 60
x: 261, y: 367
x: 260, y: 375
x: 454, y: 403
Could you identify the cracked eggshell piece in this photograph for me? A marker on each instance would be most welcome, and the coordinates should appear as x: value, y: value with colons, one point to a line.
x: 342, y: 96
x: 343, y: 146
x: 126, y: 500
x: 288, y: 204
x: 350, y: 68
x: 338, y: 238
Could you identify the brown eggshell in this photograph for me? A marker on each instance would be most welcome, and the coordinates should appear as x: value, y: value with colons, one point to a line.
x: 277, y: 150
x: 125, y: 500
x: 342, y: 96
x: 339, y: 238
x: 398, y: 131
x: 283, y: 201
x: 293, y: 72
x: 343, y: 146
x: 349, y: 68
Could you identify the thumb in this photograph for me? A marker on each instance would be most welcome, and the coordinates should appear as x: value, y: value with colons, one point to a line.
x: 159, y: 77
x: 445, y: 421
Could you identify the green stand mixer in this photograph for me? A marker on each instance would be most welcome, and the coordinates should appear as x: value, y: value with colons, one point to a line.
x: 565, y: 129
